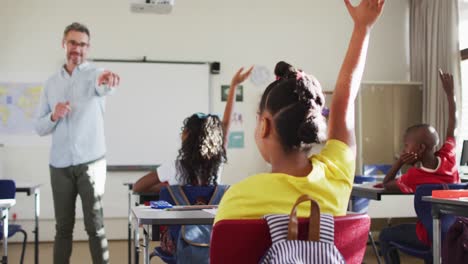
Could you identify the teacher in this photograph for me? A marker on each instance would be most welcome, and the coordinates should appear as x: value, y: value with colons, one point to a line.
x: 72, y: 110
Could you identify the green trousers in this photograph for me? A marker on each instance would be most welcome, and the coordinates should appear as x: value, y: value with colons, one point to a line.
x: 86, y: 180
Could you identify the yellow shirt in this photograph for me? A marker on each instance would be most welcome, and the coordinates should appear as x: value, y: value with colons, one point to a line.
x: 329, y: 183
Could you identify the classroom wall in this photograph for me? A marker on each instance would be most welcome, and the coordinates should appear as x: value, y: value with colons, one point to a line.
x: 311, y: 34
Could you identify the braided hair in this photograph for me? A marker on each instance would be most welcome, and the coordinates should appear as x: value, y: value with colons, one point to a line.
x: 295, y: 100
x: 202, y: 150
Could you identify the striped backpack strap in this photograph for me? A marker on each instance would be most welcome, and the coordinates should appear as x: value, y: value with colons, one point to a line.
x: 178, y: 194
x: 218, y: 194
x: 278, y: 225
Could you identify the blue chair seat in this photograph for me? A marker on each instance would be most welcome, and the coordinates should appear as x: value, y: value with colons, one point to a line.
x: 424, y: 253
x: 8, y: 191
x: 12, y: 229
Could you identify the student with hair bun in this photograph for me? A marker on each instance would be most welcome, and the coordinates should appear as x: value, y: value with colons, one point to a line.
x: 290, y: 120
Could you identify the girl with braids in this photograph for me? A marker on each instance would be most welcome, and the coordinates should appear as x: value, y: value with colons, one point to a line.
x: 290, y: 120
x: 204, y: 141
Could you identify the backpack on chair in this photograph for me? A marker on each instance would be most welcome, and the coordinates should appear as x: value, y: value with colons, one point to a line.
x: 286, y: 248
x: 194, y: 240
x: 455, y: 244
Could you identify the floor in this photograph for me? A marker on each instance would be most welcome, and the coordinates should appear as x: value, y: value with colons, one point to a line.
x: 118, y: 254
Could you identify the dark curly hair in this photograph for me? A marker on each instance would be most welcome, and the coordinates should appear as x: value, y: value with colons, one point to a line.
x: 202, y: 150
x: 295, y: 100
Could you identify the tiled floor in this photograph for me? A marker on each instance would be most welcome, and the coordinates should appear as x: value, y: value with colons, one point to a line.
x: 118, y: 254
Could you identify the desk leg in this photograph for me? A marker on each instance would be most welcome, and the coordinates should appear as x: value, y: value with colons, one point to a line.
x: 146, y: 244
x: 129, y: 225
x: 4, y: 217
x: 36, y: 224
x: 136, y: 237
x: 436, y: 239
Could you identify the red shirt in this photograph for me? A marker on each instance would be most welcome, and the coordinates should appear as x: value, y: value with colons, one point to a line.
x: 446, y: 172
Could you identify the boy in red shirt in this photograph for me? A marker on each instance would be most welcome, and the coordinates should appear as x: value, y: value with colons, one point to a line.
x: 434, y: 167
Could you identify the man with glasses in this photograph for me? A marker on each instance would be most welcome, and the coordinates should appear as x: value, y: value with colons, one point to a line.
x: 72, y: 108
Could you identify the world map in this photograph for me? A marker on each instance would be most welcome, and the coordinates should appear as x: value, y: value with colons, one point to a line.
x: 19, y: 103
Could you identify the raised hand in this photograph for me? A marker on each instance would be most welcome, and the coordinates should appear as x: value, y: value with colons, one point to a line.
x: 447, y: 82
x: 61, y: 110
x: 237, y: 79
x: 366, y: 13
x: 241, y: 76
x: 108, y: 78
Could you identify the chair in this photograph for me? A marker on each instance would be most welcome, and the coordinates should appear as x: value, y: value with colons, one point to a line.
x: 246, y: 241
x: 8, y: 191
x: 423, y: 212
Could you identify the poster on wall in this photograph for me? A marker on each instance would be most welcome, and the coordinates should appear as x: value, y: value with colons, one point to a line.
x: 236, y: 140
x: 225, y: 93
x: 19, y: 103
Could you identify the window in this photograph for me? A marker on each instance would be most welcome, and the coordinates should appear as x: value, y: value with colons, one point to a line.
x: 463, y: 35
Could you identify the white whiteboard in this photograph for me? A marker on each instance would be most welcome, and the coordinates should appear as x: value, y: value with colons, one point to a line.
x: 144, y: 116
x: 143, y: 119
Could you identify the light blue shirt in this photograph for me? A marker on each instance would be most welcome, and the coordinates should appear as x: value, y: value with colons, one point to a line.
x: 79, y: 136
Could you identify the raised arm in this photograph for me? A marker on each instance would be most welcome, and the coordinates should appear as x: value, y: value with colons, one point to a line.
x: 238, y: 78
x: 447, y: 84
x: 341, y: 122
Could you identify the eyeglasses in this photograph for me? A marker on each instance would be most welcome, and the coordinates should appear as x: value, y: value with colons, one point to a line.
x: 74, y: 43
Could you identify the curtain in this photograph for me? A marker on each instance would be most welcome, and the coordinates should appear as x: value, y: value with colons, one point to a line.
x: 434, y: 44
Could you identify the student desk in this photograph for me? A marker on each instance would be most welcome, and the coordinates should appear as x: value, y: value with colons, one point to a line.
x: 130, y: 187
x: 146, y: 216
x: 29, y: 189
x: 141, y: 196
x: 392, y: 201
x: 130, y: 168
x: 5, y: 205
x: 367, y: 190
x: 443, y: 206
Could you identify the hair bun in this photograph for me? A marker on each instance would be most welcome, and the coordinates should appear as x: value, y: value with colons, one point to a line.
x: 284, y: 70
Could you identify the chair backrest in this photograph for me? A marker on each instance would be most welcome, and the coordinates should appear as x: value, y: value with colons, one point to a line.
x: 194, y: 194
x: 7, y: 189
x: 423, y: 209
x: 246, y: 241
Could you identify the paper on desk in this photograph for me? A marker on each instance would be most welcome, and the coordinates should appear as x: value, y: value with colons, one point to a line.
x: 211, y: 211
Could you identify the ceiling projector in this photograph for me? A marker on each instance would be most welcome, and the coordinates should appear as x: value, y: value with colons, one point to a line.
x: 153, y: 6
